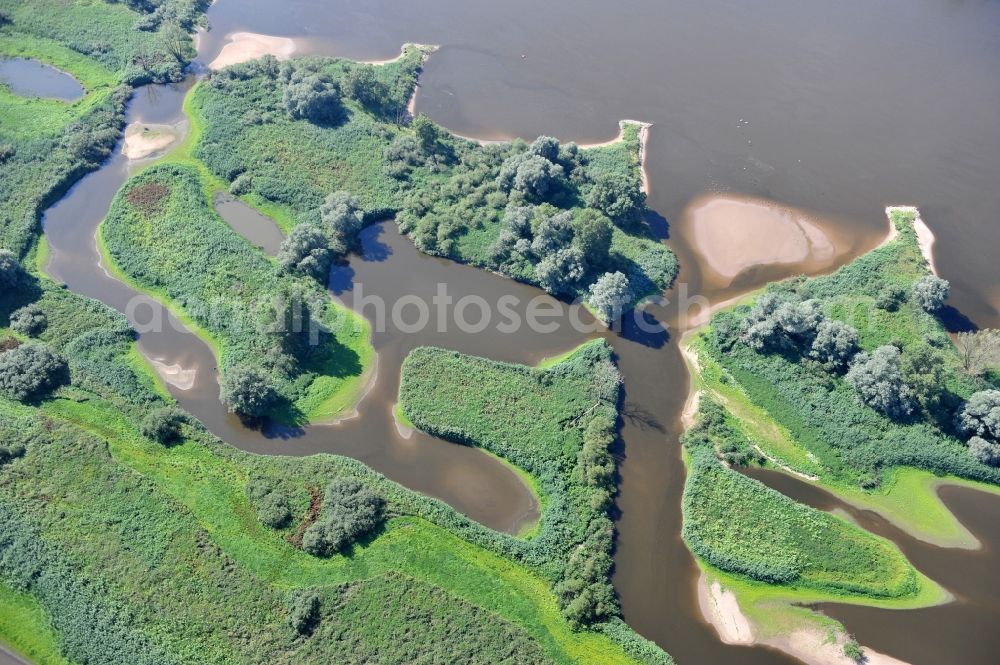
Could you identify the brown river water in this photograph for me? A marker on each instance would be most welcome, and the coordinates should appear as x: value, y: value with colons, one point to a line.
x: 838, y: 109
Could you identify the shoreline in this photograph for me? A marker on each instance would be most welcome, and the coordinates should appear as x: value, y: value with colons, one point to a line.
x: 244, y: 46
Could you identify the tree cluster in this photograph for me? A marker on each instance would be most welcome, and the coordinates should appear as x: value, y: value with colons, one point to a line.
x: 980, y: 419
x: 30, y: 371
x: 310, y: 95
x: 29, y: 320
x: 247, y: 391
x: 619, y: 197
x: 350, y: 511
x: 163, y: 425
x: 341, y: 213
x: 273, y: 507
x: 306, y: 251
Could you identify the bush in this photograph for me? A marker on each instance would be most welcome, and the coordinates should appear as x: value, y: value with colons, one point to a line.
x: 273, y: 505
x: 350, y: 510
x: 878, y: 379
x: 303, y: 610
x: 618, y: 197
x: 930, y: 292
x: 984, y: 451
x: 30, y: 320
x: 247, y: 391
x: 980, y: 415
x: 890, y: 297
x: 305, y: 250
x: 312, y: 97
x: 610, y: 294
x: 31, y: 370
x: 12, y: 275
x: 163, y: 425
x: 342, y: 213
x: 835, y: 344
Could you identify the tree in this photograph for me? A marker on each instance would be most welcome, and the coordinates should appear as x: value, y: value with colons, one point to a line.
x: 312, y: 97
x: 303, y: 610
x: 835, y: 344
x: 980, y: 416
x: 610, y: 294
x: 779, y: 321
x: 560, y: 272
x: 305, y: 250
x: 427, y: 133
x: 980, y: 350
x: 924, y: 371
x: 985, y: 451
x: 617, y: 196
x: 29, y: 320
x: 878, y: 379
x: 531, y: 174
x: 553, y: 234
x: 247, y: 391
x: 342, y: 213
x: 930, y: 292
x: 350, y: 510
x: 362, y: 84
x: 593, y: 237
x: 546, y: 147
x: 799, y: 320
x: 31, y: 370
x: 12, y: 275
x: 163, y: 425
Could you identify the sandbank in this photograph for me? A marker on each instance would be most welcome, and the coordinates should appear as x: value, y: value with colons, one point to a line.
x: 175, y: 375
x: 734, y: 233
x: 244, y: 46
x: 143, y: 140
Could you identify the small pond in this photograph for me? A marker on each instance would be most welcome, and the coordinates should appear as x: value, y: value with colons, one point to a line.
x: 31, y: 78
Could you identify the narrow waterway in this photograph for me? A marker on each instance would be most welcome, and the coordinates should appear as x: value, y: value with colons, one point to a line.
x: 786, y: 107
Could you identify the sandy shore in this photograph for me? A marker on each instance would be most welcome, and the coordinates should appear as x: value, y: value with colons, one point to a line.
x: 734, y: 233
x: 811, y: 645
x: 925, y: 237
x: 244, y: 46
x: 175, y: 375
x: 143, y: 140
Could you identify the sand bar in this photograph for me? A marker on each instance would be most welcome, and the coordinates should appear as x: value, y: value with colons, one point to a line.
x: 143, y: 140
x: 735, y: 233
x: 175, y: 375
x: 244, y: 46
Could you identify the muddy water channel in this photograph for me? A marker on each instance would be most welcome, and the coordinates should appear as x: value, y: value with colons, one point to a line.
x: 776, y: 102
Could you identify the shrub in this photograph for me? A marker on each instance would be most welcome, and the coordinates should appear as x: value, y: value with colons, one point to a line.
x: 617, y: 196
x: 890, y: 297
x: 305, y: 250
x: 164, y: 424
x: 303, y: 610
x: 878, y: 379
x: 560, y: 272
x: 930, y: 292
x: 610, y: 294
x: 593, y: 237
x: 29, y: 320
x: 12, y: 275
x: 312, y: 97
x: 361, y: 83
x: 350, y: 510
x: 342, y: 213
x: 553, y: 234
x: 835, y: 344
x: 980, y: 415
x: 984, y: 451
x: 31, y: 370
x: 247, y: 391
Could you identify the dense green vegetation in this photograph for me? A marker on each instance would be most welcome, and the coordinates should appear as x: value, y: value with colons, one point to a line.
x: 740, y: 525
x: 896, y: 404
x: 555, y: 422
x: 186, y: 571
x: 288, y: 135
x: 284, y: 347
x: 46, y: 145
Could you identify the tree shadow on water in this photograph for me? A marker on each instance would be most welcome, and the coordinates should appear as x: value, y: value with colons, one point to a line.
x: 658, y: 224
x: 644, y: 328
x: 373, y: 250
x: 955, y: 322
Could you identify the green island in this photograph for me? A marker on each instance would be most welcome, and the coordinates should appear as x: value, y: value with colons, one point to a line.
x: 210, y: 554
x: 850, y: 381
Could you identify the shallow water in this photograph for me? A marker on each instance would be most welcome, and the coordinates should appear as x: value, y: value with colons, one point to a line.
x: 30, y: 78
x: 260, y: 230
x: 778, y: 101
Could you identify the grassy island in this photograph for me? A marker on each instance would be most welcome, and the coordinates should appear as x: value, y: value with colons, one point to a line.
x: 851, y: 381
